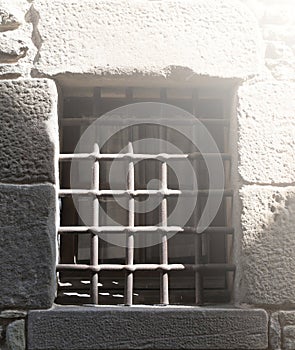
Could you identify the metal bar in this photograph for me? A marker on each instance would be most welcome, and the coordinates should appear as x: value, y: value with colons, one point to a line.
x: 128, y: 156
x: 164, y: 242
x: 95, y: 186
x: 197, y: 238
x: 94, y: 237
x: 130, y: 237
x: 146, y: 267
x: 126, y: 121
x: 161, y: 192
x: 145, y: 229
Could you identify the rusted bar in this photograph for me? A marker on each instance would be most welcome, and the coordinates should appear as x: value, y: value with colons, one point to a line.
x: 144, y: 156
x: 130, y: 237
x: 164, y: 282
x: 146, y: 229
x: 198, y: 275
x: 161, y: 192
x: 197, y: 214
x: 164, y: 256
x: 146, y: 267
x: 94, y: 237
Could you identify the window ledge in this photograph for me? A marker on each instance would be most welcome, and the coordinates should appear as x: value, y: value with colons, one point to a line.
x: 141, y: 327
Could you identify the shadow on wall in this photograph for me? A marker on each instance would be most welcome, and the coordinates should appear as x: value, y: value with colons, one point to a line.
x: 27, y: 197
x: 27, y: 150
x: 268, y: 246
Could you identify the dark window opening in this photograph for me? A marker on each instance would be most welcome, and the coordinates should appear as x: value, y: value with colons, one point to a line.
x: 187, y: 269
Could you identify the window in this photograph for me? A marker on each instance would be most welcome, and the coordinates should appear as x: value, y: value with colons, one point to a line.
x: 187, y: 269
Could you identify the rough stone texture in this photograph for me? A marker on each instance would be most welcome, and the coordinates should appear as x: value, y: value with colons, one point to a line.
x: 266, y: 128
x: 287, y: 319
x: 277, y: 23
x: 146, y: 328
x: 11, y: 50
x: 9, y: 314
x: 289, y: 338
x: 17, y: 30
x: 29, y: 131
x: 282, y: 335
x: 15, y: 335
x: 11, y: 332
x: 27, y: 246
x: 208, y: 37
x: 9, y: 71
x: 275, y: 331
x: 267, y: 262
x: 7, y: 21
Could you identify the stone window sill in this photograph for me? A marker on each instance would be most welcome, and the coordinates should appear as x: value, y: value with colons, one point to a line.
x: 152, y: 327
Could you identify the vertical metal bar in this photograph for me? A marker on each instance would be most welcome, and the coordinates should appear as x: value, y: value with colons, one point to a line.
x: 197, y: 237
x: 229, y: 239
x: 164, y: 279
x: 94, y: 246
x: 94, y: 237
x: 130, y: 237
x: 164, y: 282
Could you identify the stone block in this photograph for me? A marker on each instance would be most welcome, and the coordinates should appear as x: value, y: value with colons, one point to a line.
x: 29, y: 131
x: 266, y: 262
x: 219, y: 38
x: 15, y: 335
x: 289, y: 338
x: 8, y: 21
x: 266, y: 132
x: 146, y: 328
x: 27, y: 246
x: 282, y: 69
x: 11, y: 50
x: 274, y: 331
x: 10, y: 314
x: 287, y: 318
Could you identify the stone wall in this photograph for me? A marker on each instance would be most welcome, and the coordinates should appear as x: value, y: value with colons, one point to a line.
x: 249, y: 41
x: 266, y: 121
x: 277, y: 25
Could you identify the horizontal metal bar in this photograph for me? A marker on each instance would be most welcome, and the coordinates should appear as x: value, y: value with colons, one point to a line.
x: 146, y: 267
x: 145, y: 229
x: 136, y: 193
x: 133, y: 156
x: 128, y: 121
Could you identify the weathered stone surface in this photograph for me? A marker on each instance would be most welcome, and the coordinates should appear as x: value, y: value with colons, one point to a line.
x: 266, y: 122
x: 277, y: 25
x: 27, y: 246
x: 282, y: 330
x: 11, y: 50
x: 28, y: 132
x: 274, y: 331
x: 8, y: 71
x: 15, y: 335
x: 287, y: 318
x: 7, y: 21
x: 289, y: 338
x: 8, y: 314
x: 266, y: 262
x: 18, y: 9
x: 147, y: 328
x: 209, y: 37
